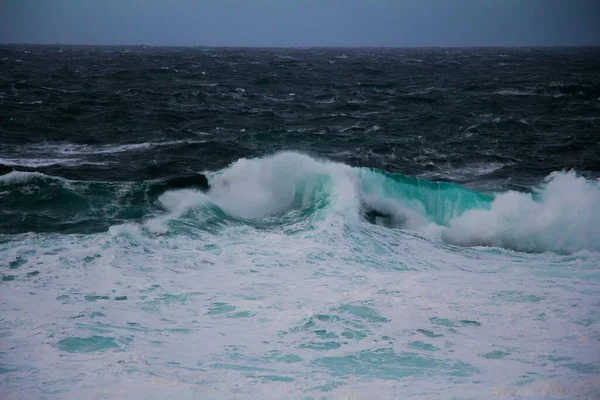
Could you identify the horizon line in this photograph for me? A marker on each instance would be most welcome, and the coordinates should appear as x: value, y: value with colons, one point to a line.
x: 524, y: 46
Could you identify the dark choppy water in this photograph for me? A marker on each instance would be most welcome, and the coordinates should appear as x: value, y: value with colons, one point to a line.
x: 476, y: 274
x: 512, y: 115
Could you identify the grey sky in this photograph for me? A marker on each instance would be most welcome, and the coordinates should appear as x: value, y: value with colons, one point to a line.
x: 302, y: 22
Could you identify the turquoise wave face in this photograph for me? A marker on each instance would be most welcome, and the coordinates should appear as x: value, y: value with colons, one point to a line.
x: 436, y: 202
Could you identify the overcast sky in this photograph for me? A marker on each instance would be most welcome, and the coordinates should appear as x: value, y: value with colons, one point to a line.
x: 400, y: 23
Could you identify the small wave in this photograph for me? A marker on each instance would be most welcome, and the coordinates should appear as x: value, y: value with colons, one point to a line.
x: 46, y: 162
x: 554, y: 89
x: 36, y: 202
x: 330, y: 100
x: 108, y: 149
x: 177, y: 203
x: 59, y: 90
x: 69, y: 149
x: 515, y: 92
x: 467, y: 172
x: 21, y: 176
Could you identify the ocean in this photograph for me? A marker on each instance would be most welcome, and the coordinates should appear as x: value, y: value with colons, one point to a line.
x: 380, y: 223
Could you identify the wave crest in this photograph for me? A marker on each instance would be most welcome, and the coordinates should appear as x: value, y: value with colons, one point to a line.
x: 561, y: 215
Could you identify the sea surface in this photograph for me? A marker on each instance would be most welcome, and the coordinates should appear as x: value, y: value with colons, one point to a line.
x: 380, y: 224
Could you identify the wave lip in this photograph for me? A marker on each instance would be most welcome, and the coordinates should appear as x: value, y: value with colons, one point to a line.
x: 255, y: 188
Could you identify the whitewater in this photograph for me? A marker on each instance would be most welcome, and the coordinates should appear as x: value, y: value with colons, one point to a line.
x: 273, y: 285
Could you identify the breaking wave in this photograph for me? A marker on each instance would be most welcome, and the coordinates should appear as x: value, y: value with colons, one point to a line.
x: 559, y: 215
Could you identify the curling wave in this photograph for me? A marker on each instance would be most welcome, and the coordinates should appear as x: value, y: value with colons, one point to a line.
x: 560, y: 215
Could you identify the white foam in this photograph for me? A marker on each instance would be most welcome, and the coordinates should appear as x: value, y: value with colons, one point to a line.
x: 468, y: 171
x: 514, y: 92
x: 528, y: 92
x: 46, y: 162
x: 565, y: 218
x: 127, y: 230
x: 177, y: 202
x: 253, y: 188
x: 72, y: 149
x: 20, y: 176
